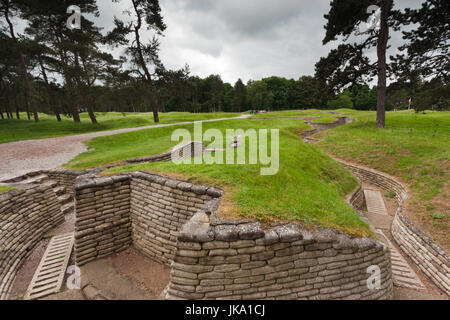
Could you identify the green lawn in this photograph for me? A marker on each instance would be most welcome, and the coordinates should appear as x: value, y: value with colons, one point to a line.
x: 413, y: 147
x: 309, y: 187
x: 23, y: 129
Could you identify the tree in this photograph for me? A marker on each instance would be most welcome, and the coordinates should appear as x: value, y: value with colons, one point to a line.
x: 43, y: 59
x: 48, y: 24
x: 228, y: 97
x: 240, y: 93
x: 280, y: 89
x: 147, y: 14
x: 307, y: 93
x: 214, y: 91
x: 427, y: 47
x: 9, y: 71
x: 348, y: 64
x: 259, y: 96
x: 364, y: 98
x: 433, y: 95
x: 343, y: 100
x: 10, y: 9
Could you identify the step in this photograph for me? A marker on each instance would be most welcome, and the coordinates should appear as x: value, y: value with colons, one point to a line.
x: 59, y: 190
x: 51, y: 183
x: 375, y: 202
x: 35, y: 179
x: 50, y: 273
x: 39, y: 179
x: 67, y: 208
x: 65, y: 198
x: 402, y: 274
x: 380, y: 221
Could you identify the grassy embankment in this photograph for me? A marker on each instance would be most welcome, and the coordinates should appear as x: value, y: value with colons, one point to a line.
x: 309, y: 187
x: 413, y: 147
x: 47, y: 127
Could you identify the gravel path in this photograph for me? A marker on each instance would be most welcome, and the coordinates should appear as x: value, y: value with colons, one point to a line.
x: 20, y: 157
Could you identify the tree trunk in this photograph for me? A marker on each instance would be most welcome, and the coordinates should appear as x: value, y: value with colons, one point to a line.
x: 90, y: 109
x: 27, y: 110
x: 69, y: 86
x: 84, y: 90
x: 381, y: 53
x: 142, y: 63
x: 49, y: 92
x: 1, y: 113
x: 73, y: 104
x: 23, y: 65
x: 6, y: 106
x: 154, y: 105
x: 8, y: 114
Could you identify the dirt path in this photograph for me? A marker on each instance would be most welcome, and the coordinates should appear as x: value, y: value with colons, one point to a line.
x: 20, y: 157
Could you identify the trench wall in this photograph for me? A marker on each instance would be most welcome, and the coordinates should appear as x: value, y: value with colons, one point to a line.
x: 174, y: 222
x: 102, y: 209
x: 226, y: 260
x: 26, y: 215
x: 431, y: 259
x: 160, y: 206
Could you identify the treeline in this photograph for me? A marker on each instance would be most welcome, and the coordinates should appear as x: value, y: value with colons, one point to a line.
x: 57, y: 68
x: 194, y: 94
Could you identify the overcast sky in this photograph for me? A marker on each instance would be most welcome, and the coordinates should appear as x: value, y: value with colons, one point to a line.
x: 247, y: 39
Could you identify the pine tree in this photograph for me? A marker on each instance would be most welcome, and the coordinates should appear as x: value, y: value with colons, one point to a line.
x: 348, y: 63
x: 146, y: 15
x: 240, y: 93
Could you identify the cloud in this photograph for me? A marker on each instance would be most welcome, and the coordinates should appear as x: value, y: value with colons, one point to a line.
x: 247, y: 39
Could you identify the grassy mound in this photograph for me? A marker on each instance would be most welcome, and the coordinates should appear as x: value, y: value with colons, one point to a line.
x: 309, y: 187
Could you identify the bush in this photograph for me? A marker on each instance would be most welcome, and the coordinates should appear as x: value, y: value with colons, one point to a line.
x: 342, y: 101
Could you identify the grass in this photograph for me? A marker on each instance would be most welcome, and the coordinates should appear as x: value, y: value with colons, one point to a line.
x: 302, y: 113
x: 6, y: 188
x: 390, y: 194
x: 324, y: 120
x: 24, y: 129
x: 309, y: 187
x: 413, y: 147
x: 119, y: 147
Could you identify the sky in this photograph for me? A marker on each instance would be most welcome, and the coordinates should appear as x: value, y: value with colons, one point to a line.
x: 247, y: 39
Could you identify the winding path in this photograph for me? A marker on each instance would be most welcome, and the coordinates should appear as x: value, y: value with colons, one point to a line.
x: 20, y: 157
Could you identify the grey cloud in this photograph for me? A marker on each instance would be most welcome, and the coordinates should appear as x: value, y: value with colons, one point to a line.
x: 247, y: 39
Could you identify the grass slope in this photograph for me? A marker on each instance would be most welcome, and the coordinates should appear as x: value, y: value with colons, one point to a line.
x: 414, y: 147
x: 23, y: 129
x: 309, y: 186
